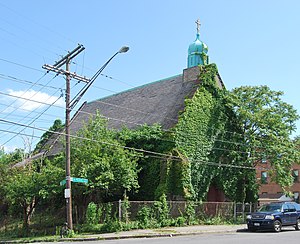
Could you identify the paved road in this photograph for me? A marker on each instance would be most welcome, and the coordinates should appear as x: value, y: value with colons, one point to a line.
x: 286, y: 236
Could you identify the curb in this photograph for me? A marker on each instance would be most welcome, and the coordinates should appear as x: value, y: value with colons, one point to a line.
x: 150, y: 235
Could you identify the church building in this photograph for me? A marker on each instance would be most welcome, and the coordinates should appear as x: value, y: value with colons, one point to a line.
x: 164, y: 102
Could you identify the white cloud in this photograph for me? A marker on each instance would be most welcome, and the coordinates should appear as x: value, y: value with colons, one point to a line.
x: 37, y: 99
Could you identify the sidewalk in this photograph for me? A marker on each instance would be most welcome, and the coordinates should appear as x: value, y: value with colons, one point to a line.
x: 148, y: 233
x: 163, y: 232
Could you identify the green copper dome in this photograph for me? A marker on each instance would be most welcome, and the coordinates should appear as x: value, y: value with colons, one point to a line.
x: 198, y: 46
x: 197, y: 52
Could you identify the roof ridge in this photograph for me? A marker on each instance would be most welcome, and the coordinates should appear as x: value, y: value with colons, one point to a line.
x: 138, y: 87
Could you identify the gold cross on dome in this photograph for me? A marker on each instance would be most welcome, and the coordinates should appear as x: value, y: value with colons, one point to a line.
x: 198, y: 25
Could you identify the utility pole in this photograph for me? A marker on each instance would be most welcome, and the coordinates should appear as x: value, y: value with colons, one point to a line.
x: 56, y: 68
x: 70, y: 104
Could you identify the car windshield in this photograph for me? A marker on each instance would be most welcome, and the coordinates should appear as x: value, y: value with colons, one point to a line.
x: 270, y: 208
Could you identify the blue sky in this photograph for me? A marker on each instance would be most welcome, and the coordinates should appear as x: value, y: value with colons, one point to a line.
x: 252, y: 42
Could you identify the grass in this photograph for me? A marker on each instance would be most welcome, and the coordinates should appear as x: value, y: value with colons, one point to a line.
x: 46, y: 226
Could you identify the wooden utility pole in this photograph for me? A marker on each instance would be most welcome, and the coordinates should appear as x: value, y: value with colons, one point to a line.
x: 70, y: 104
x: 56, y: 68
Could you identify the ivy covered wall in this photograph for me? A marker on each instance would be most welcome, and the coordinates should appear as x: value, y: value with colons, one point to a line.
x: 206, y: 148
x: 207, y: 135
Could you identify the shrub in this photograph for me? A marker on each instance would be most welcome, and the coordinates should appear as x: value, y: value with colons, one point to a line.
x: 144, y: 217
x: 161, y: 211
x: 112, y: 225
x: 180, y: 221
x: 125, y: 209
x: 91, y: 214
x: 190, y: 213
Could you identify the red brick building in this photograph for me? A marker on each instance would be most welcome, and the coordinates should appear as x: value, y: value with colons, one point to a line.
x: 270, y: 191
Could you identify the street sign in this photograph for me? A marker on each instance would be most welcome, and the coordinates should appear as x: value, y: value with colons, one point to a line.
x: 79, y: 180
x: 62, y: 182
x: 74, y: 179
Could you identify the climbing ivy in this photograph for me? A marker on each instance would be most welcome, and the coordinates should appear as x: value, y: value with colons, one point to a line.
x: 205, y: 134
x: 202, y: 149
x: 152, y: 170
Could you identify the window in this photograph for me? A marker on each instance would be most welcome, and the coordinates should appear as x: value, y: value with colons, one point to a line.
x: 264, y: 177
x: 295, y: 174
x: 291, y: 208
x: 285, y: 208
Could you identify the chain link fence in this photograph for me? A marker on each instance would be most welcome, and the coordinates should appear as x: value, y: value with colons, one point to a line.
x: 203, y: 210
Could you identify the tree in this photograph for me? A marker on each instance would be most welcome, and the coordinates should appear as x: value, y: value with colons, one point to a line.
x: 56, y: 127
x: 267, y: 123
x: 26, y: 186
x: 98, y: 156
x: 6, y: 161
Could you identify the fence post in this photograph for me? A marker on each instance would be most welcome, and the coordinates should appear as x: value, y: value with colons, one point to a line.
x: 234, y: 211
x: 120, y: 210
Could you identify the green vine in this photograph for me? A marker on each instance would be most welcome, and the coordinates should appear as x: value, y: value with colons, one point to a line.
x: 200, y: 144
x: 202, y: 134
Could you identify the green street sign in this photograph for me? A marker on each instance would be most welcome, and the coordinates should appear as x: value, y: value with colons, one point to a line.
x: 62, y: 182
x: 74, y: 179
x: 79, y: 180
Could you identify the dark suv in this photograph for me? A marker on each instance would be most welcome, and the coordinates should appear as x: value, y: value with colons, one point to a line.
x: 274, y: 216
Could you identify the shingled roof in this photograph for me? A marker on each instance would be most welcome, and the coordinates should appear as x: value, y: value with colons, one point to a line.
x: 157, y: 102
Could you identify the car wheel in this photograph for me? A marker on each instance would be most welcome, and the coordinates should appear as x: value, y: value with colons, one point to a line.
x: 277, y: 226
x: 297, y: 227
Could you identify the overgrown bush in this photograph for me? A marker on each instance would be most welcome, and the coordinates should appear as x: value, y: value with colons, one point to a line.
x: 190, y: 213
x: 180, y: 221
x: 107, y: 211
x: 125, y: 209
x: 161, y: 211
x: 144, y: 217
x: 91, y: 214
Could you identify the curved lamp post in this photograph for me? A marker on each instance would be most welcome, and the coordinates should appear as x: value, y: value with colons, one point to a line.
x: 77, y: 98
x: 69, y: 107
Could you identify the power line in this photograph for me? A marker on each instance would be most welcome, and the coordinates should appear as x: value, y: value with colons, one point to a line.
x: 31, y: 111
x: 41, y: 120
x: 22, y: 81
x: 32, y: 121
x: 125, y: 121
x: 27, y: 99
x: 114, y: 92
x: 132, y: 148
x: 19, y: 97
x: 39, y: 24
x: 214, y: 148
x: 22, y: 46
x: 18, y: 134
x: 23, y: 94
x: 21, y: 65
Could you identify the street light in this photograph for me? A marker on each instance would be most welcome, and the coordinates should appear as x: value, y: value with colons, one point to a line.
x: 124, y: 49
x: 80, y: 94
x: 69, y: 106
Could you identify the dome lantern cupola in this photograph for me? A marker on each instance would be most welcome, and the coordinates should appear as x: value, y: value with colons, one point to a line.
x: 197, y: 53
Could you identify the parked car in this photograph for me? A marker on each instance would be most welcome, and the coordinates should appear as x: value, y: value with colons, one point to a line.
x: 275, y: 215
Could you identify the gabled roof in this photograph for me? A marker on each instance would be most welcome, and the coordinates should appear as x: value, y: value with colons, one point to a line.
x: 157, y: 102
